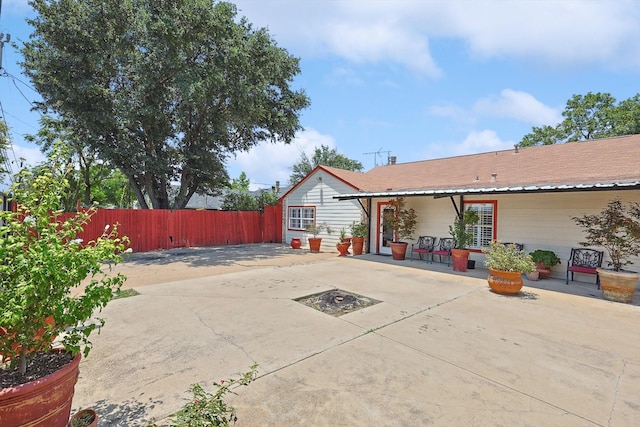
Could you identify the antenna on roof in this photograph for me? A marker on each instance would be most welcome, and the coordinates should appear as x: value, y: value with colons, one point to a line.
x: 378, y: 153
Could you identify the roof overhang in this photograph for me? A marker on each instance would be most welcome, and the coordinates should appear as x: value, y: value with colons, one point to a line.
x: 546, y: 188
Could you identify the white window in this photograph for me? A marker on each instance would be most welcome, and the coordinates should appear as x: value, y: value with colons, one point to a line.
x: 484, y: 231
x: 300, y: 217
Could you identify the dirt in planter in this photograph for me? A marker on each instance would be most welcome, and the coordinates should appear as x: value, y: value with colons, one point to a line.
x: 39, y: 365
x: 337, y: 302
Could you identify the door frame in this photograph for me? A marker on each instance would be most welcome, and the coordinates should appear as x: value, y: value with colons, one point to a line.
x: 380, y: 248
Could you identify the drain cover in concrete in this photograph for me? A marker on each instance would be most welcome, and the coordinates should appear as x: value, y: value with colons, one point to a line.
x: 337, y: 302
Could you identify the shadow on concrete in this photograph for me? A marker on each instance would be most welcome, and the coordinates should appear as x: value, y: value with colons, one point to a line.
x: 218, y: 255
x: 132, y: 413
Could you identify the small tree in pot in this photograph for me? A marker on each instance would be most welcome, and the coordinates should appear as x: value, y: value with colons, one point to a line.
x: 42, y: 263
x: 315, y: 230
x: 617, y: 229
x: 403, y: 222
x: 462, y: 233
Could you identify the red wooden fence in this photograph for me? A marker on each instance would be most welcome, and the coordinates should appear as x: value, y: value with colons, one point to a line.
x: 150, y: 229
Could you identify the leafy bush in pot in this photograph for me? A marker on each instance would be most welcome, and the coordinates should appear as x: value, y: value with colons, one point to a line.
x: 546, y: 257
x: 358, y: 229
x: 43, y: 262
x: 461, y: 229
x: 507, y: 258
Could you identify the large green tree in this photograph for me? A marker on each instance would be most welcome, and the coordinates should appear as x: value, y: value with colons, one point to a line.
x: 90, y: 180
x: 592, y: 116
x: 321, y: 156
x: 165, y: 90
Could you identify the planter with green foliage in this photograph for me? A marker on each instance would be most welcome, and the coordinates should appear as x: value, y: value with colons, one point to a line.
x: 315, y: 229
x: 358, y: 233
x: 462, y: 233
x: 506, y: 264
x: 402, y: 221
x: 44, y: 296
x: 544, y: 259
x: 617, y: 229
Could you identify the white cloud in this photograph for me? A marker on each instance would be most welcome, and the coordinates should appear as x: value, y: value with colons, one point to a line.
x: 20, y: 157
x: 518, y: 105
x: 268, y: 163
x: 344, y: 75
x: 559, y: 32
x: 480, y: 142
x: 569, y: 32
x: 451, y: 111
x: 475, y: 142
x: 31, y: 154
x: 380, y: 43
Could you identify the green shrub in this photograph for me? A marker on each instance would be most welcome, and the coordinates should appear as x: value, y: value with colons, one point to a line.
x: 507, y: 258
x: 210, y: 409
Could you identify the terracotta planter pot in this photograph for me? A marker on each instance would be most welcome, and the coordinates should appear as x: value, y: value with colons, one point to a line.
x: 459, y: 259
x: 533, y: 276
x: 618, y: 286
x: 84, y: 418
x: 358, y: 245
x: 45, y: 402
x: 544, y: 272
x: 343, y: 248
x: 296, y: 243
x: 314, y: 244
x: 505, y: 282
x: 398, y: 250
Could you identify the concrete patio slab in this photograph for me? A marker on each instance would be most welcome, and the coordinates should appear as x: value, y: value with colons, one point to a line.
x: 440, y: 349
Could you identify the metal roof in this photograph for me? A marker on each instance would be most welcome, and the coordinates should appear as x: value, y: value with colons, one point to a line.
x: 596, y: 186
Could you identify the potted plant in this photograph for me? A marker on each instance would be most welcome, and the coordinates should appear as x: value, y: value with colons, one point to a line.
x: 315, y: 230
x: 358, y: 233
x: 343, y: 244
x: 506, y: 264
x: 462, y: 235
x: 43, y: 296
x: 403, y: 223
x: 84, y: 418
x: 544, y: 259
x: 617, y: 229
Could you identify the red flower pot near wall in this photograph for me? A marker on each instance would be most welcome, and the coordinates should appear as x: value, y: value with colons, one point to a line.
x: 314, y: 244
x: 45, y: 402
x: 358, y: 245
x: 343, y: 248
x: 398, y: 250
x: 296, y: 243
x: 459, y: 259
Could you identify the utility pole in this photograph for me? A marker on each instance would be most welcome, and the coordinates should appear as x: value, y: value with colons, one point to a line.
x: 6, y: 37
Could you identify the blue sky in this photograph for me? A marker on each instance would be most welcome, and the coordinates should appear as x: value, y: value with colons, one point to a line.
x: 421, y: 79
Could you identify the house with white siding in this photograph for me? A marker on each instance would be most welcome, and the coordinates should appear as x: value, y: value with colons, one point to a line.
x: 523, y: 195
x: 313, y: 200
